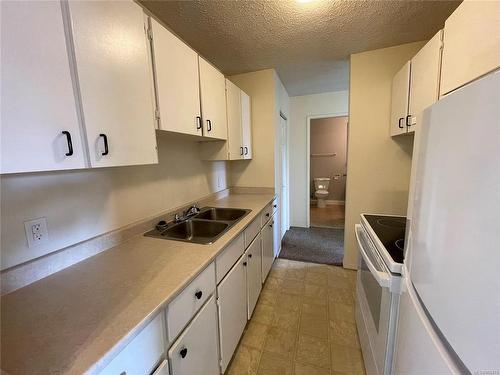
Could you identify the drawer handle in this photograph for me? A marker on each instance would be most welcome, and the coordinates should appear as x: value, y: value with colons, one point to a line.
x: 183, y: 352
x: 275, y: 205
x: 249, y: 255
x: 267, y: 214
x: 245, y: 264
x: 198, y: 294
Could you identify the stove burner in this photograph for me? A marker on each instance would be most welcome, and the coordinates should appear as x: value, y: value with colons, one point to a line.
x: 400, y: 244
x: 392, y: 223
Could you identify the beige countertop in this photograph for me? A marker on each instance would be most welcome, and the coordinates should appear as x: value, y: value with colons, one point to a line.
x: 76, y: 320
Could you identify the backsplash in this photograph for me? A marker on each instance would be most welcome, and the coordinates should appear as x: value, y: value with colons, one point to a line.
x: 82, y: 204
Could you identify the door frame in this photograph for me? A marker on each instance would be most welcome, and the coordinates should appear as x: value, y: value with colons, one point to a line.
x: 308, y: 156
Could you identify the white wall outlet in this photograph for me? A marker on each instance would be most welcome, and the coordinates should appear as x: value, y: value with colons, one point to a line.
x: 36, y: 231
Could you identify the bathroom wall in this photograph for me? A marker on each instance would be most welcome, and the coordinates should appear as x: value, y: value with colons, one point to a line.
x: 82, y: 204
x: 301, y: 107
x: 329, y: 136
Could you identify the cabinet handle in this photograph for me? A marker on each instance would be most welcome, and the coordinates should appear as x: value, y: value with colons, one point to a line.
x: 245, y: 264
x: 399, y: 122
x: 106, y: 149
x: 246, y: 150
x: 241, y: 150
x: 249, y: 255
x: 408, y: 123
x: 198, y: 123
x: 267, y: 214
x: 209, y: 125
x: 70, y: 144
x: 275, y: 205
x: 198, y: 294
x: 183, y: 352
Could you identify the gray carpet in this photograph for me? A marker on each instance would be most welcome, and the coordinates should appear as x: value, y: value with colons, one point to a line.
x: 315, y: 245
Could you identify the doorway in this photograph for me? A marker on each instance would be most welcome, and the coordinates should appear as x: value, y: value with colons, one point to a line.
x: 327, y: 171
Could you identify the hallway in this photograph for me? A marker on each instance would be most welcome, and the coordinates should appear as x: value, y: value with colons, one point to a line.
x: 303, y: 324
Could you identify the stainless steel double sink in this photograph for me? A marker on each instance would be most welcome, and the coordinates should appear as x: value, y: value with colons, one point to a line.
x: 204, y: 227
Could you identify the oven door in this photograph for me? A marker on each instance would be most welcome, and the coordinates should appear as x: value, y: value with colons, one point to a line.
x: 376, y: 305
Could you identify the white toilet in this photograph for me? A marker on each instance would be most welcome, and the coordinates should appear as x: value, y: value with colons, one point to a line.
x: 321, y: 186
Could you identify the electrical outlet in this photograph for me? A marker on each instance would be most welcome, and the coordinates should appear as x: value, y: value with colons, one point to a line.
x: 36, y: 231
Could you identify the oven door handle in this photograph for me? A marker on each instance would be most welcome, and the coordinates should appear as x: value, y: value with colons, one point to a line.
x: 383, y: 278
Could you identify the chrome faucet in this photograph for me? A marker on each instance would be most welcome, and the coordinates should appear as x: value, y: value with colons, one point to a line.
x: 191, y: 211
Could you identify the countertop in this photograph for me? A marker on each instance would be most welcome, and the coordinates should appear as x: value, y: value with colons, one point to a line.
x: 78, y: 319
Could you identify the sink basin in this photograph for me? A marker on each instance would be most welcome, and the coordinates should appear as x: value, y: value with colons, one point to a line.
x: 197, y: 231
x: 221, y: 214
x: 203, y: 228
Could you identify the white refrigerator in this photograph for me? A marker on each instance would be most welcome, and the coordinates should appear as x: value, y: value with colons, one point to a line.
x: 449, y: 318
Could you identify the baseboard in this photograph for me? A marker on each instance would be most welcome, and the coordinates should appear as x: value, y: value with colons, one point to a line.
x: 329, y: 202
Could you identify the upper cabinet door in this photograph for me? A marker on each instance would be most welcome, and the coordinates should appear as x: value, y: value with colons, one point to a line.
x: 246, y: 125
x: 471, y: 43
x: 177, y: 82
x: 399, y: 104
x: 213, y: 101
x: 234, y: 131
x: 115, y: 80
x: 38, y: 102
x: 424, y: 83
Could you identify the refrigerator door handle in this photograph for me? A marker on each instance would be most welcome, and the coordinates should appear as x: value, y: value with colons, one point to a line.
x: 383, y: 278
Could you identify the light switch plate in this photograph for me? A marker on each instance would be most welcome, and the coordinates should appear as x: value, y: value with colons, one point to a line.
x: 36, y: 231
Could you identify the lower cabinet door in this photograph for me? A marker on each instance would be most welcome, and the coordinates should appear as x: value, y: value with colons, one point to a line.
x: 254, y: 273
x: 232, y: 307
x: 196, y: 350
x: 267, y: 247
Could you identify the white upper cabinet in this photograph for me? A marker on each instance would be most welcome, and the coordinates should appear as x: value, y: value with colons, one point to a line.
x: 471, y: 43
x: 239, y: 129
x: 246, y: 125
x: 115, y: 81
x: 424, y: 79
x: 234, y: 128
x: 38, y: 102
x: 213, y: 101
x: 399, y: 104
x: 177, y: 82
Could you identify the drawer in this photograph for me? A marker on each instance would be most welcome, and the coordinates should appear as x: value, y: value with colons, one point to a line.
x: 266, y: 214
x: 229, y: 256
x: 196, y: 351
x: 143, y: 353
x: 189, y: 301
x: 252, y: 230
x: 274, y: 204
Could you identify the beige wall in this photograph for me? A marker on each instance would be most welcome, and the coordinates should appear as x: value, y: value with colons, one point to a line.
x: 82, y: 204
x: 258, y: 172
x: 378, y: 165
x: 329, y: 136
x: 301, y: 107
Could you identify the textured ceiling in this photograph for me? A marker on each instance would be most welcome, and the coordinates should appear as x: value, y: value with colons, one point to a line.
x: 308, y: 43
